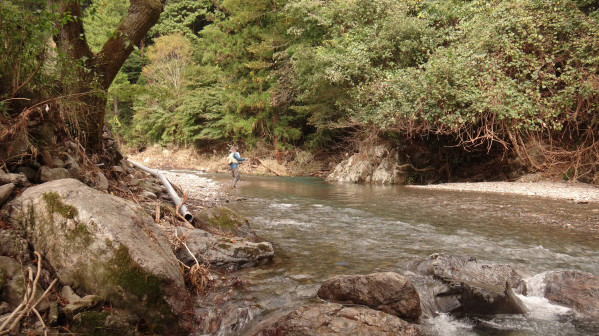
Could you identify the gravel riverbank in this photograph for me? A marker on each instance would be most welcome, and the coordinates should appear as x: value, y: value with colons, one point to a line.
x: 577, y: 192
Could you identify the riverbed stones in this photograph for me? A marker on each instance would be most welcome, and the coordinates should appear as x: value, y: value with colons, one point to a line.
x: 103, y: 245
x: 5, y: 192
x: 460, y: 285
x: 335, y: 319
x: 46, y: 174
x: 12, y: 285
x: 18, y: 180
x: 389, y: 292
x: 574, y: 289
x: 222, y: 252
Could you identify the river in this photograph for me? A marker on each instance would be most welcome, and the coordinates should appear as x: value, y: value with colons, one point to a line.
x: 320, y: 230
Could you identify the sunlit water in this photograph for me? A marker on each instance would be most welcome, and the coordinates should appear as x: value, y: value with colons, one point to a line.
x: 320, y: 230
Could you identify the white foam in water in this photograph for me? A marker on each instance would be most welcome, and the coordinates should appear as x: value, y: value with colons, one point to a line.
x: 281, y: 205
x: 538, y: 306
x: 445, y: 325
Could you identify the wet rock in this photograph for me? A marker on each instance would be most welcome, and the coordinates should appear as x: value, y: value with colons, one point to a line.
x: 389, y: 292
x: 91, y: 322
x: 98, y: 243
x: 334, y: 319
x: 461, y: 285
x: 18, y: 180
x: 5, y: 192
x: 573, y: 289
x: 46, y: 174
x: 220, y: 252
x: 13, y: 246
x: 225, y: 220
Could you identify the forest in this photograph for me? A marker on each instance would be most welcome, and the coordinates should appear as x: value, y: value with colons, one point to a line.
x: 470, y: 81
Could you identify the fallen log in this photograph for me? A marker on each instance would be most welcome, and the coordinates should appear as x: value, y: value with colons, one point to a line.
x: 169, y: 188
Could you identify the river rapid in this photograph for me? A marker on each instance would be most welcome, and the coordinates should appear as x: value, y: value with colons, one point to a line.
x: 320, y: 230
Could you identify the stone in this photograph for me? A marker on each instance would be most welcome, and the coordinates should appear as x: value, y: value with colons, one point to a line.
x: 5, y: 192
x: 12, y: 245
x: 85, y: 303
x: 389, y: 292
x: 101, y: 182
x: 334, y: 319
x: 18, y: 180
x: 68, y: 294
x: 102, y: 244
x: 220, y: 252
x: 224, y: 221
x: 118, y: 169
x: 13, y: 288
x: 460, y: 285
x: 574, y: 289
x: 53, y: 314
x: 104, y: 323
x: 29, y: 172
x: 148, y: 194
x: 46, y: 174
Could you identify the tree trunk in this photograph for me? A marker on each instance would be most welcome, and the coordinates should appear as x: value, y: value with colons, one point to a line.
x: 100, y: 69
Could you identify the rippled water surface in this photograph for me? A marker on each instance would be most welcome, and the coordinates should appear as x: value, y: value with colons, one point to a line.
x: 320, y: 230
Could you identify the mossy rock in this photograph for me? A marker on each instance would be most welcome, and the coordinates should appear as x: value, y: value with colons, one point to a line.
x: 224, y: 220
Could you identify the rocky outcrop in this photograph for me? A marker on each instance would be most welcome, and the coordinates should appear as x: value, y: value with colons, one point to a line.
x: 461, y: 285
x: 221, y: 252
x: 389, y: 292
x: 573, y: 289
x: 103, y: 245
x: 377, y: 164
x: 334, y: 319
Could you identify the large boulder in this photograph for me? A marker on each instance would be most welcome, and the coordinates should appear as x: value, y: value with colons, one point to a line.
x: 334, y: 319
x: 460, y: 285
x: 221, y: 252
x: 376, y: 164
x: 103, y: 245
x: 573, y: 289
x: 389, y: 292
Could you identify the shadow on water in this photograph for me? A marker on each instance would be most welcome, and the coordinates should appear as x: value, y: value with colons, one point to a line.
x: 320, y: 230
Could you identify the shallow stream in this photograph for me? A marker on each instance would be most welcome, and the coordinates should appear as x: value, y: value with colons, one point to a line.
x: 320, y: 230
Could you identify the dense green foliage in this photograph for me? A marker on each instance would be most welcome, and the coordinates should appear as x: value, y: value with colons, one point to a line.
x: 291, y: 73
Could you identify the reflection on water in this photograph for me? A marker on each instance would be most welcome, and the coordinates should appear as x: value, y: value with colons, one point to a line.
x: 320, y: 230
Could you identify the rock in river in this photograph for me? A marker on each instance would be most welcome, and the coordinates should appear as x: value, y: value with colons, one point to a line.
x: 222, y: 252
x: 103, y: 245
x: 389, y: 292
x: 461, y: 285
x: 334, y: 319
x: 573, y: 289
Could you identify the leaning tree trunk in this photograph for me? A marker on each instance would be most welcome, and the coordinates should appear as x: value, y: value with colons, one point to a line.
x: 100, y: 69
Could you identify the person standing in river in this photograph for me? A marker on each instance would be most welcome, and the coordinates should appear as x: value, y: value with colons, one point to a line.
x: 234, y: 161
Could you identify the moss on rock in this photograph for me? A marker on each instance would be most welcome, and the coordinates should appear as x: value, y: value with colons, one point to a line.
x: 56, y: 205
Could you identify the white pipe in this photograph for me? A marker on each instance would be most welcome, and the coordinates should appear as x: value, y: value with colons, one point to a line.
x: 169, y: 188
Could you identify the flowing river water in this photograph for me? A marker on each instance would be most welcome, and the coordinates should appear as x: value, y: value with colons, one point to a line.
x: 320, y: 230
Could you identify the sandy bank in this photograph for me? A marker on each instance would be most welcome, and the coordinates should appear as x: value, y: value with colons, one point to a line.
x: 577, y: 192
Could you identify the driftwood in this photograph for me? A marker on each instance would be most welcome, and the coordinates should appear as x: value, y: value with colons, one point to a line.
x: 182, y: 209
